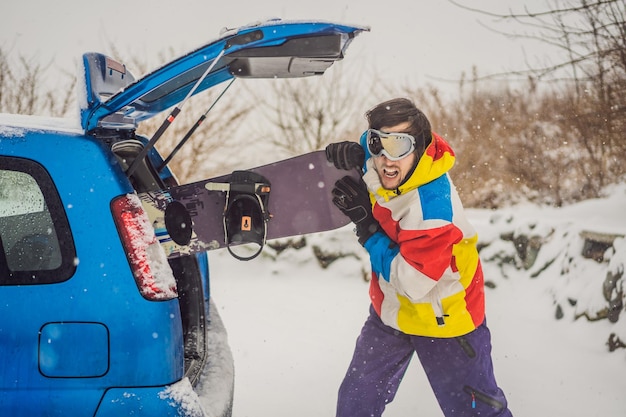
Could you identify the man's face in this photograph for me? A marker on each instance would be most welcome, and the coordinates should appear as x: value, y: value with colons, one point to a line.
x: 393, y: 173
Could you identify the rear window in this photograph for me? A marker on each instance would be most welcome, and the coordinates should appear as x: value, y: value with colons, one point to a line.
x: 35, y: 239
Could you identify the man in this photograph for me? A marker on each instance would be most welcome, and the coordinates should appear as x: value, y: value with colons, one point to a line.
x: 427, y: 288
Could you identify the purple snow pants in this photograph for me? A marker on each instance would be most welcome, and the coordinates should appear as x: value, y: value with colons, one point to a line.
x: 459, y: 370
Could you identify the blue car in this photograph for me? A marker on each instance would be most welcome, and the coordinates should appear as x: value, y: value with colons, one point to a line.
x: 95, y: 320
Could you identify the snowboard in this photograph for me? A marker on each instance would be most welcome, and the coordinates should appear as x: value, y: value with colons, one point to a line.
x: 294, y: 196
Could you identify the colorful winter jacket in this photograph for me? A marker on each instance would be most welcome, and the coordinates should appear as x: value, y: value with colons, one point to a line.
x: 426, y: 275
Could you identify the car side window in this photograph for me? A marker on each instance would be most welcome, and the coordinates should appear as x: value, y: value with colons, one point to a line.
x: 35, y: 238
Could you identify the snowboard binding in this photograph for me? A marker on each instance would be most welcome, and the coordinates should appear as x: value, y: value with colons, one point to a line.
x: 245, y: 214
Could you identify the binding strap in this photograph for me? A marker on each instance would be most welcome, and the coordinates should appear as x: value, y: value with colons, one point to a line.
x: 245, y: 213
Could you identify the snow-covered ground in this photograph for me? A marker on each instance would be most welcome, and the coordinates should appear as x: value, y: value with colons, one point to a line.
x: 292, y: 324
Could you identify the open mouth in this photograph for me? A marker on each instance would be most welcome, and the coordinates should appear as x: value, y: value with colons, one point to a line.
x: 390, y: 173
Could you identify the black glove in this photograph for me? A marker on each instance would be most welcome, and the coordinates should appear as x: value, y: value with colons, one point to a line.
x: 352, y: 198
x: 345, y: 155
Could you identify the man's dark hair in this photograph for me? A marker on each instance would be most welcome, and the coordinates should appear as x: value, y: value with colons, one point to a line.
x: 401, y: 110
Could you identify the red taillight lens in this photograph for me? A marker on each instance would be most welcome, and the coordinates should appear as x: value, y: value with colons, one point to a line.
x: 147, y: 259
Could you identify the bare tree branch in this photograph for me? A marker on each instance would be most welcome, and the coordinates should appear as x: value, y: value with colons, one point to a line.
x: 309, y: 113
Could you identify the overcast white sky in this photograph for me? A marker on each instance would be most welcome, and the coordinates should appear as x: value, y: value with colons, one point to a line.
x: 412, y: 41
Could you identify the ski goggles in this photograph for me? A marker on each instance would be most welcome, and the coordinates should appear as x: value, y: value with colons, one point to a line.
x: 394, y: 146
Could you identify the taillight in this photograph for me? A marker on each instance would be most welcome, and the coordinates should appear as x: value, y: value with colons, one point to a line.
x: 147, y: 259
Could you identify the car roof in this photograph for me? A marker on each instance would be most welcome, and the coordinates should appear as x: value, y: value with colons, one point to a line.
x: 15, y: 124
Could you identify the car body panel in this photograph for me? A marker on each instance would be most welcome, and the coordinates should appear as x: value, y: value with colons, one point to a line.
x: 273, y: 49
x: 87, y: 304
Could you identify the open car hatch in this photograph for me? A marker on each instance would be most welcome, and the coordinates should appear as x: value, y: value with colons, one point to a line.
x: 271, y: 49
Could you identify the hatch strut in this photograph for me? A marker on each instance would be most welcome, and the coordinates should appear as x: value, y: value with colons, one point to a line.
x: 192, y: 129
x: 169, y: 119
